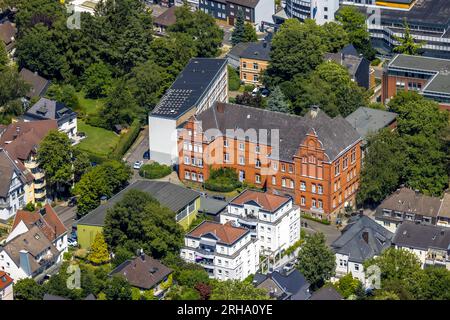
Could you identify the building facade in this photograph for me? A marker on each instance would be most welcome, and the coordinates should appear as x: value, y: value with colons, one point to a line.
x: 273, y: 220
x: 202, y: 82
x: 322, y: 11
x: 253, y: 61
x: 225, y: 251
x: 314, y: 159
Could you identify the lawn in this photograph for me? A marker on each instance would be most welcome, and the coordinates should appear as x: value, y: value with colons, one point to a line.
x: 98, y: 140
x: 89, y: 106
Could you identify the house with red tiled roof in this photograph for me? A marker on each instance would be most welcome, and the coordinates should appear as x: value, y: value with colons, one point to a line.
x: 272, y: 219
x: 21, y: 140
x: 6, y: 287
x: 225, y: 251
x: 47, y: 220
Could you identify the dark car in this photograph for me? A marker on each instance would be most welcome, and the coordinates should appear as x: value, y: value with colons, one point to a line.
x: 146, y: 155
x: 72, y: 202
x: 222, y: 198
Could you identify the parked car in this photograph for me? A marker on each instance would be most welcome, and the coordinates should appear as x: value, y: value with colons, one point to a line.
x: 222, y: 198
x: 72, y: 242
x: 72, y: 202
x: 264, y: 92
x: 146, y: 155
x: 138, y: 164
x: 288, y: 266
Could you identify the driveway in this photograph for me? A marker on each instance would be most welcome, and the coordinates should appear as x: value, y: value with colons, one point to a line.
x: 137, y: 150
x: 330, y: 231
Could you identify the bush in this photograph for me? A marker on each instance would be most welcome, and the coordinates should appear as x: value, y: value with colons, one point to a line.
x: 234, y: 82
x: 249, y: 88
x: 223, y: 180
x: 375, y: 62
x: 310, y: 217
x: 127, y: 139
x: 154, y: 171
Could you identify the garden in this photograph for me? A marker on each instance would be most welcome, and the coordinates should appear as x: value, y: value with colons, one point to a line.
x: 223, y: 180
x: 154, y: 171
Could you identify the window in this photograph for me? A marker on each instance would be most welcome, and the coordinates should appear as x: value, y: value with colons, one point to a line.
x: 313, y: 203
x: 226, y: 157
x: 313, y: 188
x: 345, y: 163
x: 320, y: 189
x: 274, y: 180
x: 255, y: 65
x: 283, y: 182
x: 255, y: 77
x: 187, y: 175
x: 356, y: 266
x: 200, y: 162
x: 275, y: 166
x: 303, y: 185
x: 302, y: 201
x: 320, y: 203
x: 257, y: 178
x: 187, y: 160
x: 334, y: 202
x: 231, y: 6
x: 283, y: 167
x: 258, y: 163
x: 194, y: 176
x: 244, y: 65
x: 241, y: 160
x: 325, y: 9
x: 291, y: 168
x: 257, y: 149
x: 200, y: 177
x: 291, y: 183
x: 325, y: 17
x: 353, y: 156
x: 225, y: 143
x: 241, y: 146
x: 185, y: 146
x: 337, y: 168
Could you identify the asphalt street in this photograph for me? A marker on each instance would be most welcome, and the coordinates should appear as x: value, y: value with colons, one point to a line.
x: 137, y: 150
x: 67, y: 215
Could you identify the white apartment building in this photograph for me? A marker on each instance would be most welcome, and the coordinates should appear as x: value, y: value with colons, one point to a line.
x: 225, y: 251
x: 274, y: 220
x: 202, y: 82
x: 322, y: 11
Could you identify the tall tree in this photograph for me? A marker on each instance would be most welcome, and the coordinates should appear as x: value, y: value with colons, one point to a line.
x: 97, y: 80
x: 99, y: 250
x: 335, y: 36
x: 13, y: 88
x: 316, y: 261
x: 118, y: 288
x: 277, y: 101
x: 238, y: 33
x: 407, y: 44
x: 250, y: 33
x: 27, y: 289
x: 237, y: 290
x: 4, y: 59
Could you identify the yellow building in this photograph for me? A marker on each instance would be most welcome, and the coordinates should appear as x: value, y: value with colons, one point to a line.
x: 253, y: 60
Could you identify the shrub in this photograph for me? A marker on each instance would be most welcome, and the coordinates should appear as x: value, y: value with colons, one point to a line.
x: 234, y: 82
x: 249, y: 88
x: 310, y: 217
x: 223, y: 180
x: 154, y: 170
x: 127, y: 139
x: 375, y: 62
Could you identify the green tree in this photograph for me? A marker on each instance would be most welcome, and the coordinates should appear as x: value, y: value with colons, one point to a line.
x: 97, y: 80
x: 237, y: 290
x: 433, y: 284
x: 81, y: 163
x: 13, y: 88
x: 65, y: 94
x: 316, y: 261
x: 386, y: 295
x: 238, y: 33
x: 118, y: 288
x: 27, y: 289
x: 297, y: 49
x: 4, y: 60
x: 277, y: 101
x: 182, y: 293
x: 406, y: 44
x: 191, y: 277
x: 138, y: 221
x: 335, y: 36
x: 348, y: 286
x: 354, y: 23
x: 249, y: 33
x: 55, y: 158
x: 99, y: 253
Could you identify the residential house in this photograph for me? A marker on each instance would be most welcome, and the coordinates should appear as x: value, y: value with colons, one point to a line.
x: 431, y: 244
x: 28, y: 255
x: 38, y: 84
x: 314, y: 159
x: 357, y: 65
x: 427, y: 76
x: 234, y: 55
x: 273, y: 219
x: 46, y: 109
x: 47, y: 220
x: 6, y: 287
x: 202, y: 82
x: 8, y: 33
x: 165, y: 20
x: 183, y: 201
x: 290, y: 285
x: 328, y: 293
x: 254, y: 60
x: 145, y: 273
x: 21, y: 140
x: 369, y: 121
x: 212, y: 207
x: 13, y: 184
x: 361, y: 239
x: 256, y: 12
x: 225, y: 251
x: 322, y: 11
x: 443, y: 218
x: 407, y: 205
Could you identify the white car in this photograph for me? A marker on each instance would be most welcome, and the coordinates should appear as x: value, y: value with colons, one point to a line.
x: 138, y: 164
x: 72, y: 242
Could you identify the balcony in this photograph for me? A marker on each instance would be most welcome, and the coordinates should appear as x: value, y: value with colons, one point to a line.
x: 40, y: 193
x: 208, y: 254
x: 39, y: 175
x: 31, y: 164
x: 40, y: 184
x: 5, y: 205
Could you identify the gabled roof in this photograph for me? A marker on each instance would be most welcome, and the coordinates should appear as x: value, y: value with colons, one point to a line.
x: 5, y: 280
x: 326, y: 293
x: 20, y: 138
x: 368, y: 120
x: 34, y: 242
x: 45, y: 219
x: 167, y: 194
x: 49, y: 109
x: 410, y: 201
x: 38, y: 84
x: 292, y: 285
x: 7, y: 32
x: 444, y: 210
x: 420, y: 236
x: 7, y: 169
x: 167, y: 18
x: 259, y: 50
x: 245, y: 3
x: 266, y: 201
x: 225, y: 233
x: 362, y: 240
x: 237, y: 50
x: 143, y: 272
x: 335, y: 134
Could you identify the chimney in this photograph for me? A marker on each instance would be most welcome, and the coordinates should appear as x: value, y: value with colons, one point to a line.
x: 25, y: 262
x: 142, y: 255
x: 365, y: 236
x: 314, y: 111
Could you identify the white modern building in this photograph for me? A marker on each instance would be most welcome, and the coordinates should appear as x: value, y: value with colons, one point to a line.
x: 225, y: 251
x: 272, y: 219
x: 202, y: 82
x: 12, y: 187
x: 322, y: 11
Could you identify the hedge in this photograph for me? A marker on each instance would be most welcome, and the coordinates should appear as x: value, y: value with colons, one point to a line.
x: 310, y: 217
x: 234, y: 82
x: 154, y: 170
x: 223, y: 180
x: 127, y: 139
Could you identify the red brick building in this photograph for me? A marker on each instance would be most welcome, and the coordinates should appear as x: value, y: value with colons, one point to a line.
x: 315, y: 159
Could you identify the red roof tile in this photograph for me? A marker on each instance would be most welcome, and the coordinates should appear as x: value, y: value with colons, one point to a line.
x: 5, y: 280
x: 226, y: 233
x: 266, y: 201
